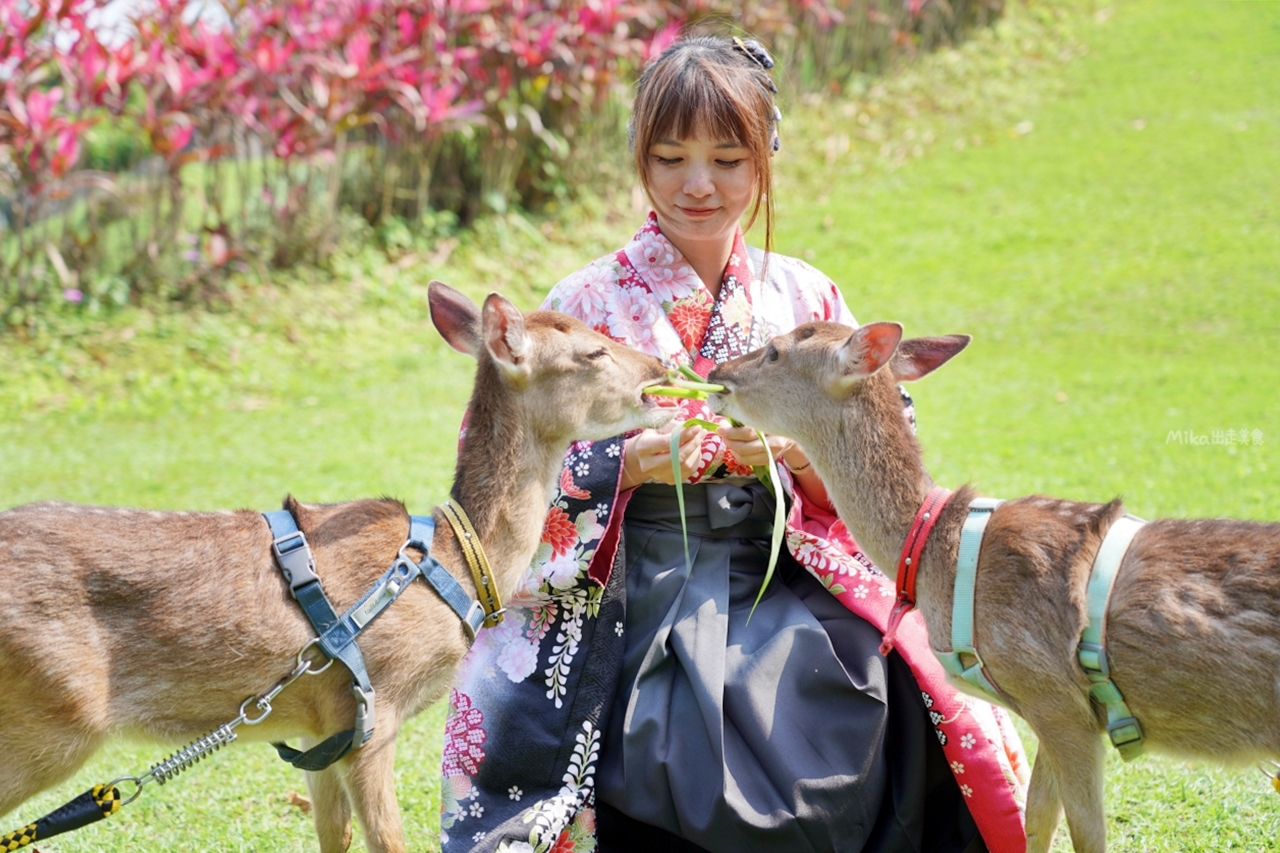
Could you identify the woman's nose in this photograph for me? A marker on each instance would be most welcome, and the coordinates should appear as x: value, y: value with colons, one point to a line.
x: 698, y: 183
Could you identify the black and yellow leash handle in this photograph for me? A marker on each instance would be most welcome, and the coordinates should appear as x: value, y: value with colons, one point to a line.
x: 91, y: 806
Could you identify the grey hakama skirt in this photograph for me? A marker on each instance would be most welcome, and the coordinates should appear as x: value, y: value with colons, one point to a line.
x: 787, y: 732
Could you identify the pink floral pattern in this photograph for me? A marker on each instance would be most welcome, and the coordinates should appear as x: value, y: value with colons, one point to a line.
x: 463, y: 735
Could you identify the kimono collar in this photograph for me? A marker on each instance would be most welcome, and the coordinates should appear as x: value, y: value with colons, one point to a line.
x: 712, y: 331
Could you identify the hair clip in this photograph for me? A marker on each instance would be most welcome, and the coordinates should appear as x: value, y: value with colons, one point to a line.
x: 756, y: 51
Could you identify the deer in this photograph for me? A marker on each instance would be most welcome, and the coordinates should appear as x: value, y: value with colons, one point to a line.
x: 1193, y: 625
x: 155, y: 625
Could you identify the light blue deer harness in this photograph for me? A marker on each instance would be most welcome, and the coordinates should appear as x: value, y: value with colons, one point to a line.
x: 1123, y: 730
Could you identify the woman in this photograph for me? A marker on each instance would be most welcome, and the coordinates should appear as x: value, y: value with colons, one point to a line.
x: 638, y: 701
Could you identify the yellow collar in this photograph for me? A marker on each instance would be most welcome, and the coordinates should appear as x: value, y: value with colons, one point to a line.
x: 486, y: 586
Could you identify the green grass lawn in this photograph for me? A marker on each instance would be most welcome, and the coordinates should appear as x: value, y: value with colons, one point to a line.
x: 1093, y: 197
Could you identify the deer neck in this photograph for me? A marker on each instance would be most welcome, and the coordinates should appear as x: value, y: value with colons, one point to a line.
x: 505, y: 477
x: 877, y: 477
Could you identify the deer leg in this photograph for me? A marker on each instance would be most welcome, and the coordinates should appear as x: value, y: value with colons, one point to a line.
x: 1044, y: 807
x: 370, y: 782
x: 37, y: 755
x: 330, y: 809
x: 1075, y: 757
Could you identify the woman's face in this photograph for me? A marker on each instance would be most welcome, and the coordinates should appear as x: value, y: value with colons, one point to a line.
x: 700, y: 187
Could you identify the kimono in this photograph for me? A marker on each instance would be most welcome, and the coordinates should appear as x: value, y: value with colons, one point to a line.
x: 532, y: 699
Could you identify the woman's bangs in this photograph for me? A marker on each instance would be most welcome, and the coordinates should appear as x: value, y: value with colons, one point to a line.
x: 695, y: 106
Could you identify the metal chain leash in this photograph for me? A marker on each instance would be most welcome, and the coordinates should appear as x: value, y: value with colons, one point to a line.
x: 191, y: 754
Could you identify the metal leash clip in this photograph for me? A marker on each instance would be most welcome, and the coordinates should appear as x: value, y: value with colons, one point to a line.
x: 1272, y: 773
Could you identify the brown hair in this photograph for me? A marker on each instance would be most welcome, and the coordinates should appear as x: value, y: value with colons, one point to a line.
x: 718, y: 87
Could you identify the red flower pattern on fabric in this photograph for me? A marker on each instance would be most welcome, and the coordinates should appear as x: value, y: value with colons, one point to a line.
x: 691, y: 317
x: 733, y: 466
x: 564, y: 844
x: 463, y: 734
x: 559, y: 531
x: 569, y: 489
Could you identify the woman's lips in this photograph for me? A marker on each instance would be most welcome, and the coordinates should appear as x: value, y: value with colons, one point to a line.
x: 698, y: 212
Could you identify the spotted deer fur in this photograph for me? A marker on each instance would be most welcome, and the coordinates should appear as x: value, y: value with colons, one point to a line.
x: 1193, y: 630
x: 157, y: 625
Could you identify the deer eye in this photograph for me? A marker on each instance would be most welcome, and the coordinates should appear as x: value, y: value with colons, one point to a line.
x: 771, y: 354
x: 597, y: 355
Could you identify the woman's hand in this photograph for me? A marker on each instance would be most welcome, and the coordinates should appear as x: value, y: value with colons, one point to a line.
x: 646, y: 456
x: 745, y: 445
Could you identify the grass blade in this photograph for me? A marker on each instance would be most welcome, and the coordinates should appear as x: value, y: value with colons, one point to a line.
x: 689, y: 373
x: 679, y: 481
x: 779, y: 524
x: 674, y: 391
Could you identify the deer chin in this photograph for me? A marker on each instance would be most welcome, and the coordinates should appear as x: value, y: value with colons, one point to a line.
x: 722, y: 403
x: 652, y: 414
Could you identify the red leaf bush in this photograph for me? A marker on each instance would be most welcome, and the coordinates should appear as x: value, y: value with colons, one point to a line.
x: 248, y: 137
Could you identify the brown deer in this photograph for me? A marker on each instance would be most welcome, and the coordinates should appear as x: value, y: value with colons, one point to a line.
x: 157, y: 625
x: 1193, y: 629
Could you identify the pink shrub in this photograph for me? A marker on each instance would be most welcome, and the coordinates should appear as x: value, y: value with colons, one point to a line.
x: 260, y: 125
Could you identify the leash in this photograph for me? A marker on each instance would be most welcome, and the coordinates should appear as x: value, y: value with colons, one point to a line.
x: 98, y: 802
x: 102, y: 801
x: 962, y: 643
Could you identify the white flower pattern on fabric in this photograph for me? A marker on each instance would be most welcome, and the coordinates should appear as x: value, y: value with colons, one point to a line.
x: 561, y: 572
x: 736, y: 310
x: 518, y: 659
x: 515, y: 847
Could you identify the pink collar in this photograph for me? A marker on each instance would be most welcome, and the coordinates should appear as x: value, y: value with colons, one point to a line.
x: 909, y: 560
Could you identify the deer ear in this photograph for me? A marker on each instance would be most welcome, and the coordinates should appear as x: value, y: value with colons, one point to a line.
x: 504, y: 336
x: 918, y: 357
x: 456, y: 318
x: 868, y: 349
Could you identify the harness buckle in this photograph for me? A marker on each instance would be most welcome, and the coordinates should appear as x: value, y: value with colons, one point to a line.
x: 293, y: 554
x: 1093, y: 660
x: 1126, y: 736
x: 471, y: 622
x: 366, y: 716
